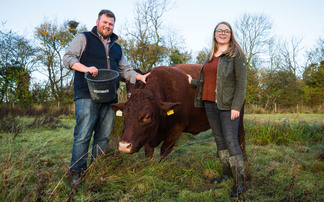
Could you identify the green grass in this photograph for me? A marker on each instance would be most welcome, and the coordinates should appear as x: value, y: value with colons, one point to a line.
x: 285, y: 162
x: 284, y: 128
x: 297, y: 117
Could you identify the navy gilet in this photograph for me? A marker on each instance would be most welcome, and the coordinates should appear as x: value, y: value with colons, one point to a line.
x: 95, y: 54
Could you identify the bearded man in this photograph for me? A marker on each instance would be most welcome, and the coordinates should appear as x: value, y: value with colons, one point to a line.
x: 88, y: 52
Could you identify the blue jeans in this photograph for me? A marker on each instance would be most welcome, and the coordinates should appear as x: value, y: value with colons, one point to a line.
x: 90, y: 117
x: 224, y: 129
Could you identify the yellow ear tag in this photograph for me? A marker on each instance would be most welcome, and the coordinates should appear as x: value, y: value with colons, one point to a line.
x: 170, y: 112
x: 119, y: 113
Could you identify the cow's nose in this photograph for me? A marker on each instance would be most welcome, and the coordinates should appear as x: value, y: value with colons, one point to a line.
x: 125, y: 147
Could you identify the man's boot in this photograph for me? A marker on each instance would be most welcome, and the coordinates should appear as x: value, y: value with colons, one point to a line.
x: 237, y: 166
x: 75, y: 179
x: 227, y: 172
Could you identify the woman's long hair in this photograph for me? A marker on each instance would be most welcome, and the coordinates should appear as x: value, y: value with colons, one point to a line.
x: 233, y: 49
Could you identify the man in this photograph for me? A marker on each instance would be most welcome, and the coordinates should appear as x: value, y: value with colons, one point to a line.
x: 88, y: 52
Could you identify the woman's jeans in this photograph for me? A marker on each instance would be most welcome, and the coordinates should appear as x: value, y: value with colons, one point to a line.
x: 224, y: 129
x: 90, y: 117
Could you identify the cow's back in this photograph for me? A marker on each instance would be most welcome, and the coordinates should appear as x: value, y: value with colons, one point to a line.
x: 173, y: 86
x: 170, y: 84
x: 198, y: 119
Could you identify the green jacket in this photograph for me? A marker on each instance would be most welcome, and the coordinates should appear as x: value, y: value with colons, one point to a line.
x: 231, y: 83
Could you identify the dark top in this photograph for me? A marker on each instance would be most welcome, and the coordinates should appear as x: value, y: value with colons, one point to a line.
x: 95, y: 54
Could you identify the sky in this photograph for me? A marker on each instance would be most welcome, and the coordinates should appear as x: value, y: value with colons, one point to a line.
x: 194, y: 20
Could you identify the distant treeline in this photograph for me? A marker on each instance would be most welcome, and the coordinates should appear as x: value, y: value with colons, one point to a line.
x: 281, y: 74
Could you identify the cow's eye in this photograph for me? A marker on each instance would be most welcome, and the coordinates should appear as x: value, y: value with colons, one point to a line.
x: 147, y: 118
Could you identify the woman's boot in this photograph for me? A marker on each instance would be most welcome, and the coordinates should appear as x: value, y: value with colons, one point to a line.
x: 237, y: 166
x: 227, y: 172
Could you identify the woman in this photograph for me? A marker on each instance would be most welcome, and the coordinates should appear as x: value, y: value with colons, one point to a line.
x: 221, y: 90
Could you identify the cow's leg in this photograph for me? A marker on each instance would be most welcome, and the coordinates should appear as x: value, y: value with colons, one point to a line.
x: 149, y: 151
x: 170, y: 141
x: 166, y: 149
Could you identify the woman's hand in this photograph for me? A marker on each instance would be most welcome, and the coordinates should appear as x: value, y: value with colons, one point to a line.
x: 189, y: 78
x: 234, y: 114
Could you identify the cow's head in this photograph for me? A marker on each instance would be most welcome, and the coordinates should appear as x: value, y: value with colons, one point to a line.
x: 142, y: 115
x: 130, y: 87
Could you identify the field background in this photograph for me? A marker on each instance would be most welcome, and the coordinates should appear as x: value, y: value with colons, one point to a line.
x: 285, y: 163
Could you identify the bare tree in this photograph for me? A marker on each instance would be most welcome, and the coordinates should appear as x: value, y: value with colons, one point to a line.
x: 254, y: 33
x: 290, y: 53
x: 144, y: 46
x: 175, y: 44
x: 273, y: 54
x: 316, y: 55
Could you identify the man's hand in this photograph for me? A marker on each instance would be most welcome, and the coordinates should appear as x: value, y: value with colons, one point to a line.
x: 141, y: 77
x: 92, y: 70
x: 82, y: 68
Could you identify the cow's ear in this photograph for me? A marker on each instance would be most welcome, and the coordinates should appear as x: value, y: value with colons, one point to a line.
x: 119, y: 106
x: 167, y: 108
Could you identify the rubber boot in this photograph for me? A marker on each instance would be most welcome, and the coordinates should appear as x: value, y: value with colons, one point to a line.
x: 237, y: 166
x: 227, y: 172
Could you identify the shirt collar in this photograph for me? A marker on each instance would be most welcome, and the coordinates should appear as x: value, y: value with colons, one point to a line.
x: 101, y: 38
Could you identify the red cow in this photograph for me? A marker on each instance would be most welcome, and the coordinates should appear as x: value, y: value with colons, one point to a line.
x: 160, y: 110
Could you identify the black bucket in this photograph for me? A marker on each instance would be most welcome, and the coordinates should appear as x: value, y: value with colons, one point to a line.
x: 103, y: 87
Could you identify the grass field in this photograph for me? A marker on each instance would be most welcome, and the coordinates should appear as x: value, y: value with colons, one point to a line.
x: 285, y: 163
